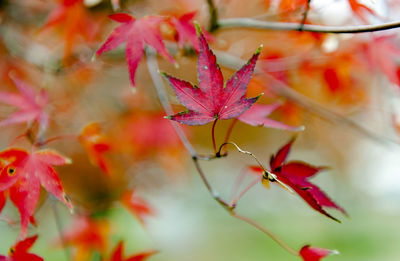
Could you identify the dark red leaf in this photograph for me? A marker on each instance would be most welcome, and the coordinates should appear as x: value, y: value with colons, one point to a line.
x: 211, y: 100
x: 280, y: 157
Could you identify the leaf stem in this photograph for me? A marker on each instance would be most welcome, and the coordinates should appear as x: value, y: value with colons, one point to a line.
x: 281, y: 26
x: 213, y: 136
x: 228, y: 133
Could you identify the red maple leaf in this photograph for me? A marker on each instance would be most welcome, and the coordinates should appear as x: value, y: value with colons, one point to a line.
x: 295, y: 174
x: 360, y: 9
x: 212, y: 99
x: 117, y: 254
x: 315, y: 253
x: 73, y: 18
x: 255, y: 116
x: 137, y: 206
x: 19, y: 252
x: 136, y: 33
x: 24, y: 172
x: 30, y: 104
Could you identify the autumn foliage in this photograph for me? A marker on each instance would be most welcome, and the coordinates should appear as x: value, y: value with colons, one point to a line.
x: 102, y: 102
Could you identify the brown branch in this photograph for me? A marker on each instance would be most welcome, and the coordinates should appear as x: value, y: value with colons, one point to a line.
x: 234, y: 23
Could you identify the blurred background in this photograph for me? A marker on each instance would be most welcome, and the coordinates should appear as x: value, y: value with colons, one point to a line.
x: 131, y: 179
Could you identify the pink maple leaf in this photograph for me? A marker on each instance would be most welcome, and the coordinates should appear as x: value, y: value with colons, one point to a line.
x: 30, y: 104
x: 136, y: 33
x: 212, y: 99
x: 23, y: 175
x: 256, y: 116
x: 315, y: 253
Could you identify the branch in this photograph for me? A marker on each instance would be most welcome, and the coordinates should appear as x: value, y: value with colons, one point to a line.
x: 280, y: 26
x: 280, y: 88
x: 152, y: 66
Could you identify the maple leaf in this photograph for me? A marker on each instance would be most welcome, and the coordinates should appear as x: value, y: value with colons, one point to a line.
x: 186, y: 31
x: 136, y: 33
x: 117, y: 254
x: 212, y: 100
x: 314, y: 253
x: 87, y: 234
x: 24, y: 172
x: 19, y: 252
x: 360, y: 9
x: 30, y: 104
x: 96, y: 145
x: 382, y: 53
x: 137, y: 206
x: 295, y: 174
x: 255, y: 116
x: 73, y: 18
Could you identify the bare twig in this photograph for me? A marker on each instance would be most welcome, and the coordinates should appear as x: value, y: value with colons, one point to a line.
x: 281, y: 26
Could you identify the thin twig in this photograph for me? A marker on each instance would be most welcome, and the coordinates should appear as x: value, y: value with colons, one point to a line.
x: 152, y: 66
x: 269, y: 233
x: 281, y: 26
x: 213, y: 13
x: 59, y: 227
x: 244, y: 152
x: 305, y: 14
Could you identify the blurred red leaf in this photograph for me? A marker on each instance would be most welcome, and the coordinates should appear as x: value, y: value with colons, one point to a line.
x: 30, y: 104
x: 137, y: 206
x: 74, y: 19
x: 86, y: 235
x: 23, y: 174
x: 117, y: 254
x: 213, y: 100
x: 360, y: 9
x: 256, y: 116
x: 137, y: 33
x: 314, y: 253
x: 19, y: 252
